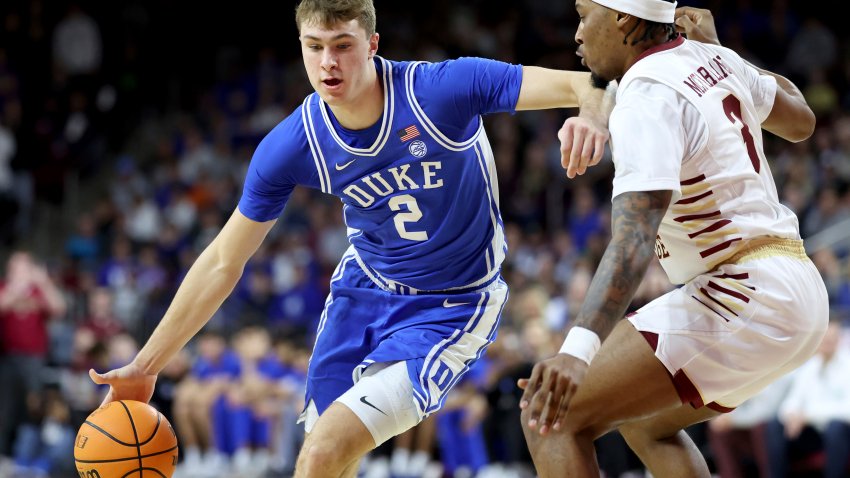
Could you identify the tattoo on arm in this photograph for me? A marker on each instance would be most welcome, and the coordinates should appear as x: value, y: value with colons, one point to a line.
x: 635, y: 217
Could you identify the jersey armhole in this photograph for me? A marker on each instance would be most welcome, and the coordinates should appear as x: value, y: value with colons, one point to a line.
x: 426, y: 122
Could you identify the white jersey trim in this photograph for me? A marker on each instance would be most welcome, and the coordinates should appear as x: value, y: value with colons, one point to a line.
x: 462, y: 343
x: 487, y: 164
x: 337, y: 275
x: 318, y: 157
x: 395, y: 287
x: 426, y: 122
x: 386, y: 121
x: 324, y: 177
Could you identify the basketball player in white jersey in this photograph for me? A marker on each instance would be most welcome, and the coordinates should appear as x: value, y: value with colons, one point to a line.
x: 691, y: 187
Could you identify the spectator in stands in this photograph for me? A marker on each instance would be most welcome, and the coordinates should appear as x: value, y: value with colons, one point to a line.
x: 286, y: 400
x: 83, y: 245
x: 737, y: 439
x: 100, y: 319
x: 77, y: 46
x: 8, y: 150
x: 816, y: 413
x: 460, y: 435
x: 195, y: 400
x: 248, y: 425
x: 45, y: 443
x: 412, y: 452
x: 28, y: 300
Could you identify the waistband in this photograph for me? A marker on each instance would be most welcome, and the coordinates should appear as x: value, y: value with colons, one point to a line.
x: 762, y: 247
x: 395, y: 287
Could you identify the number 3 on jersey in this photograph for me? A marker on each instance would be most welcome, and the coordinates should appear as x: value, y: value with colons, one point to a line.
x: 732, y: 108
x: 413, y: 214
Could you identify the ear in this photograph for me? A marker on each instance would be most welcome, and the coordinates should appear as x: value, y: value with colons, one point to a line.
x: 624, y: 21
x: 373, y: 44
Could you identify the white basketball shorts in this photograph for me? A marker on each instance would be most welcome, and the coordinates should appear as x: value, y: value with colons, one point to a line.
x: 728, y: 333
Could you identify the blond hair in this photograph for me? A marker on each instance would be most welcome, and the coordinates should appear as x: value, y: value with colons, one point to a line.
x: 329, y: 12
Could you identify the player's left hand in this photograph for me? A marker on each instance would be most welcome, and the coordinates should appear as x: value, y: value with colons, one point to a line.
x: 582, y: 144
x: 697, y: 24
x: 550, y: 389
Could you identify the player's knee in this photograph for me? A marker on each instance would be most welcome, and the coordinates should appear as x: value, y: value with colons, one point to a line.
x: 184, y: 396
x: 199, y: 413
x: 639, y: 436
x: 533, y: 439
x: 321, y: 458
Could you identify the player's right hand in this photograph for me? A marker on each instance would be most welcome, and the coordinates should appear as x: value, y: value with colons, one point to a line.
x: 582, y: 144
x: 126, y: 383
x: 697, y: 24
x: 550, y: 389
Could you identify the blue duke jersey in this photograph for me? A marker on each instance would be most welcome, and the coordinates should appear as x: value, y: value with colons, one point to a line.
x: 419, y: 187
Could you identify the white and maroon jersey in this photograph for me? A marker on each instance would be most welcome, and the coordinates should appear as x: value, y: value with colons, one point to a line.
x: 688, y: 119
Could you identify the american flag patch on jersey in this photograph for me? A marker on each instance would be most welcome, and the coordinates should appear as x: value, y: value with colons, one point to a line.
x: 408, y: 133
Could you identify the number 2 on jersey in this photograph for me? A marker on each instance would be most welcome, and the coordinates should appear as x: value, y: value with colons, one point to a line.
x: 732, y: 108
x: 413, y: 214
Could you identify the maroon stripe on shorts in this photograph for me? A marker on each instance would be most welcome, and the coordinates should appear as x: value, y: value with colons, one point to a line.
x: 719, y: 408
x: 721, y: 304
x: 686, y: 389
x: 710, y: 308
x: 726, y: 291
x: 740, y: 276
x: 652, y: 338
x: 688, y: 392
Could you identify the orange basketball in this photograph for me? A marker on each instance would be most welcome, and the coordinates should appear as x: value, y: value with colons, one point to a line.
x: 126, y: 439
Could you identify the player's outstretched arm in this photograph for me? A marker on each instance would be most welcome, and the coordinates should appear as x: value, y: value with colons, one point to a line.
x: 583, y: 137
x: 791, y: 117
x: 635, y: 220
x: 209, y: 281
x: 544, y: 88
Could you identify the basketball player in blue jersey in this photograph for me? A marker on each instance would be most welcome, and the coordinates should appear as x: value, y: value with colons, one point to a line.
x: 417, y: 297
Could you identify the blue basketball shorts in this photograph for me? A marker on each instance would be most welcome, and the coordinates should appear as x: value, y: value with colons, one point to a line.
x: 438, y: 335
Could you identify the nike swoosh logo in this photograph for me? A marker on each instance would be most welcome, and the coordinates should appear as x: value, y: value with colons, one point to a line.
x: 340, y: 167
x: 447, y: 304
x: 366, y: 402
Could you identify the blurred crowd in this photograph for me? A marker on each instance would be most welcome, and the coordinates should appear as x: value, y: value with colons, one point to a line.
x: 125, y: 132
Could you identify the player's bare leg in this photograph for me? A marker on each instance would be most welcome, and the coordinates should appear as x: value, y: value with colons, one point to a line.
x: 183, y: 416
x: 201, y: 412
x: 335, y: 445
x: 624, y: 383
x: 664, y: 447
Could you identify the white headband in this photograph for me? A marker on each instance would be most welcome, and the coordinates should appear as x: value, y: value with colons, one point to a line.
x: 657, y: 11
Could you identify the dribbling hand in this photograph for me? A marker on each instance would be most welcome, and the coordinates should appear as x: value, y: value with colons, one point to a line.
x: 697, y: 24
x: 549, y: 391
x: 582, y: 145
x: 126, y: 383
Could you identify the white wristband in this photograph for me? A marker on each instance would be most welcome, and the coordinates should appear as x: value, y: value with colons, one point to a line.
x: 581, y: 343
